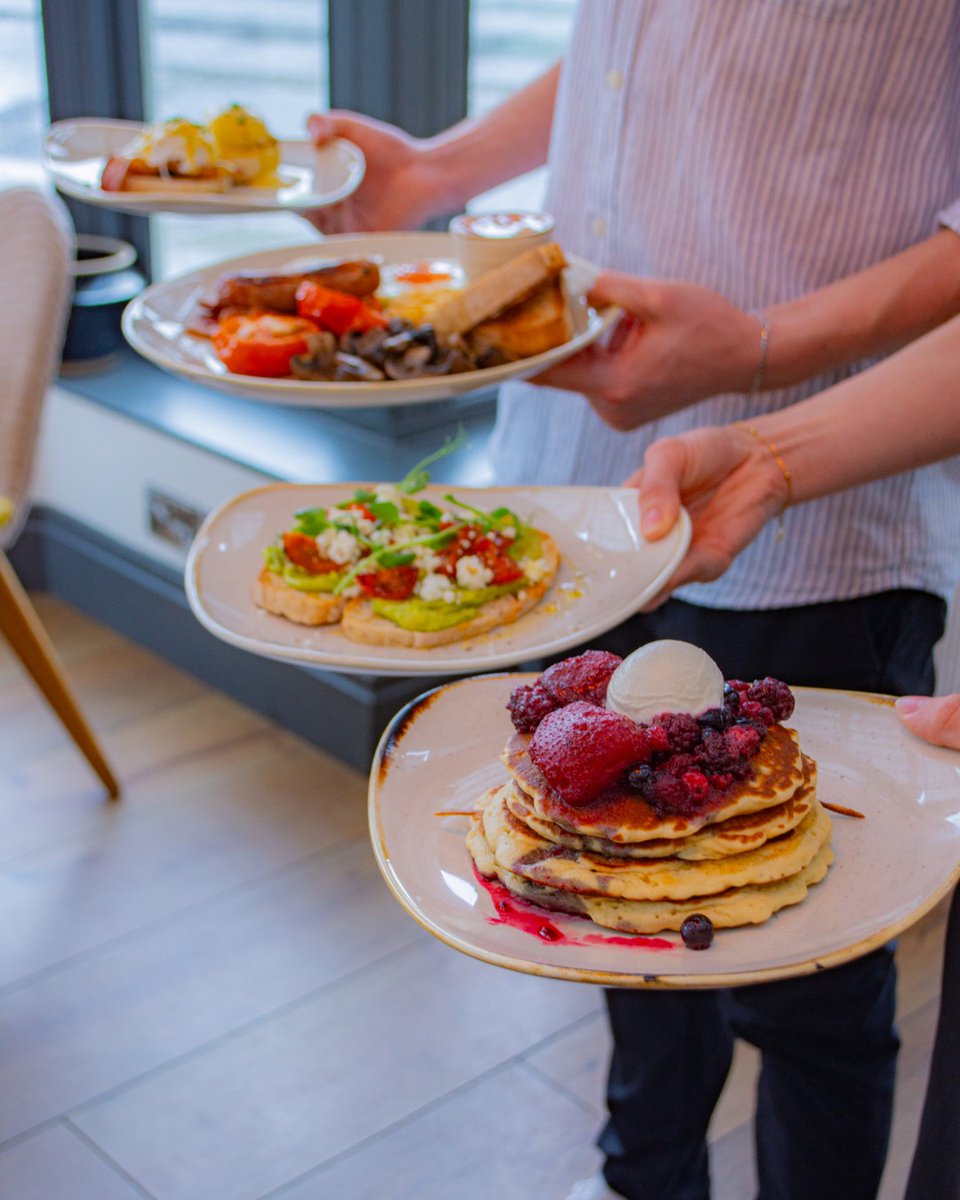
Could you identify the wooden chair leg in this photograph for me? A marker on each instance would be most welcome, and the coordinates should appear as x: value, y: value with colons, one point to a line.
x: 21, y: 626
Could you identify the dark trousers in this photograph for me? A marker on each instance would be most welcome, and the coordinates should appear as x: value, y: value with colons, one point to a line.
x: 828, y: 1042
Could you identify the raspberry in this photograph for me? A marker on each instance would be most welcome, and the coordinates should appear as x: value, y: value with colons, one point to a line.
x: 528, y: 705
x: 666, y: 794
x: 681, y: 729
x: 740, y: 686
x: 697, y: 784
x: 659, y: 739
x: 676, y: 764
x: 721, y: 781
x: 775, y: 695
x: 583, y: 677
x: 743, y: 741
x: 754, y: 711
x: 582, y: 749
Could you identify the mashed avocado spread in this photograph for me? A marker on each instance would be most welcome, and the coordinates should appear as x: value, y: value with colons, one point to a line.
x: 429, y: 615
x: 296, y: 577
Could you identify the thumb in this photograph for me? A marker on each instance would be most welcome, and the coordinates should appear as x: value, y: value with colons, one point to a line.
x: 633, y: 295
x: 658, y: 485
x: 324, y: 127
x: 934, y: 718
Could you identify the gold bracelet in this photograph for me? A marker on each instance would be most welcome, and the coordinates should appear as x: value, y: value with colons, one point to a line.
x: 784, y: 471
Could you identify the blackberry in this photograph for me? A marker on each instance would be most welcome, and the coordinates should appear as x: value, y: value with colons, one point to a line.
x: 666, y: 793
x: 528, y: 705
x: 676, y: 764
x: 714, y: 752
x: 697, y: 932
x: 731, y: 698
x: 775, y: 695
x: 742, y: 741
x: 754, y: 711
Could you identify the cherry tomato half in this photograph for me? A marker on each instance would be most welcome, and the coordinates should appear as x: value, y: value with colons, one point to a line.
x: 261, y: 343
x: 302, y: 551
x: 336, y: 311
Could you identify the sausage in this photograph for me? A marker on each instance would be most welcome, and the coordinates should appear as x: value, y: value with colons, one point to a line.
x: 359, y: 277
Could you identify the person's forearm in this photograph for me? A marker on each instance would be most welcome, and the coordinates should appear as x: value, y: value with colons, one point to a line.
x: 899, y: 415
x: 479, y: 153
x: 873, y: 312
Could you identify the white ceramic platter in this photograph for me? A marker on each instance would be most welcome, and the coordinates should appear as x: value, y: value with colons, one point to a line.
x: 607, y: 572
x: 156, y: 323
x: 890, y: 868
x: 75, y: 151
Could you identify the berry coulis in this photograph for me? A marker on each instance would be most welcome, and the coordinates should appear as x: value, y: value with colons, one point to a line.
x: 520, y: 915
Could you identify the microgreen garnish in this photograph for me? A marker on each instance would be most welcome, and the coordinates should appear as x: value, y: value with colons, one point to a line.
x: 312, y: 521
x: 418, y: 477
x: 494, y: 520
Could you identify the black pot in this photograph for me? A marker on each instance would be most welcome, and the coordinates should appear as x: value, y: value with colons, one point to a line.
x: 104, y: 281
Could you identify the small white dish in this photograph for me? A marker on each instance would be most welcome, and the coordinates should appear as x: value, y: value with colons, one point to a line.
x: 607, y: 572
x: 157, y: 322
x: 891, y: 868
x: 75, y: 151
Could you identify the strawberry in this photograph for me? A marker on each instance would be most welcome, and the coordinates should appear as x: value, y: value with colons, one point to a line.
x: 583, y: 677
x: 582, y: 749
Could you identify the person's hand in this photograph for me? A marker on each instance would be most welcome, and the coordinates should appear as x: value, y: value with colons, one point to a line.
x: 934, y: 718
x: 398, y: 191
x: 730, y: 485
x: 676, y: 343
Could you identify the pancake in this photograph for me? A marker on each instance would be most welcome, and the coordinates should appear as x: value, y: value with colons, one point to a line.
x: 732, y: 836
x: 620, y: 815
x: 519, y: 850
x: 749, y: 905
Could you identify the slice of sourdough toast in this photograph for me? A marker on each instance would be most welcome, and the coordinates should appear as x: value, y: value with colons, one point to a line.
x: 274, y: 594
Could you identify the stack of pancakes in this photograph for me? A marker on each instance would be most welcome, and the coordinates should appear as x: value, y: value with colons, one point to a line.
x: 626, y: 866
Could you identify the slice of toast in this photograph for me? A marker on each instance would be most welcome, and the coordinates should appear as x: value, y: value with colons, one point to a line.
x: 272, y: 592
x: 537, y: 324
x: 497, y: 290
x: 362, y: 624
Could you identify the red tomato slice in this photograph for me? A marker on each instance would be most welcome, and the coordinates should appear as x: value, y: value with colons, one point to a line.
x: 337, y: 311
x: 390, y: 583
x: 302, y: 551
x: 261, y: 343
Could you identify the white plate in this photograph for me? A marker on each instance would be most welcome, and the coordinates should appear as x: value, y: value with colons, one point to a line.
x: 890, y: 868
x: 74, y: 153
x: 607, y: 572
x: 155, y: 324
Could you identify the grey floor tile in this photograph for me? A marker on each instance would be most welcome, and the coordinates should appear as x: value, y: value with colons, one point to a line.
x: 115, y: 1013
x: 275, y: 1101
x: 57, y: 1165
x: 145, y: 864
x: 510, y: 1137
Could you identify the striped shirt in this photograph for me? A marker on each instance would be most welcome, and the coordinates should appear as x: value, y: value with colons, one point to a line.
x: 762, y: 148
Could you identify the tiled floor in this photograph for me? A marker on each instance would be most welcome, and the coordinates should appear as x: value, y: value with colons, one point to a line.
x: 207, y: 993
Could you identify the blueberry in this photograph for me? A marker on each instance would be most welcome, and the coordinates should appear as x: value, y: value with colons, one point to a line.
x: 640, y: 777
x: 697, y: 932
x: 713, y: 718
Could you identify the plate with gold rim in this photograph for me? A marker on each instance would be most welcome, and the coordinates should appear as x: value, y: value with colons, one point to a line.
x: 891, y: 868
x: 607, y: 572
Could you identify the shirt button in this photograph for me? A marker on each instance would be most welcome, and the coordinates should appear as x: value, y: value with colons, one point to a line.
x: 598, y: 227
x: 614, y: 79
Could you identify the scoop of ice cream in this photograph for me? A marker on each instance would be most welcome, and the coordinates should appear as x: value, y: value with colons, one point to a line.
x: 665, y: 676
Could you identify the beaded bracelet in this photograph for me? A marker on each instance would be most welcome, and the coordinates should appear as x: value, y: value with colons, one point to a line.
x: 784, y: 471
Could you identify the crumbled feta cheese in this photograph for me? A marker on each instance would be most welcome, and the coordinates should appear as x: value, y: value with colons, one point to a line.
x: 472, y: 573
x: 436, y: 587
x: 534, y: 568
x: 387, y: 493
x: 363, y: 524
x: 338, y: 545
x: 426, y: 559
x: 380, y: 537
x: 508, y: 532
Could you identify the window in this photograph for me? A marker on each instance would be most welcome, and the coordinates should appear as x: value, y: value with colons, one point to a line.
x: 510, y: 45
x: 200, y: 57
x: 23, y: 93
